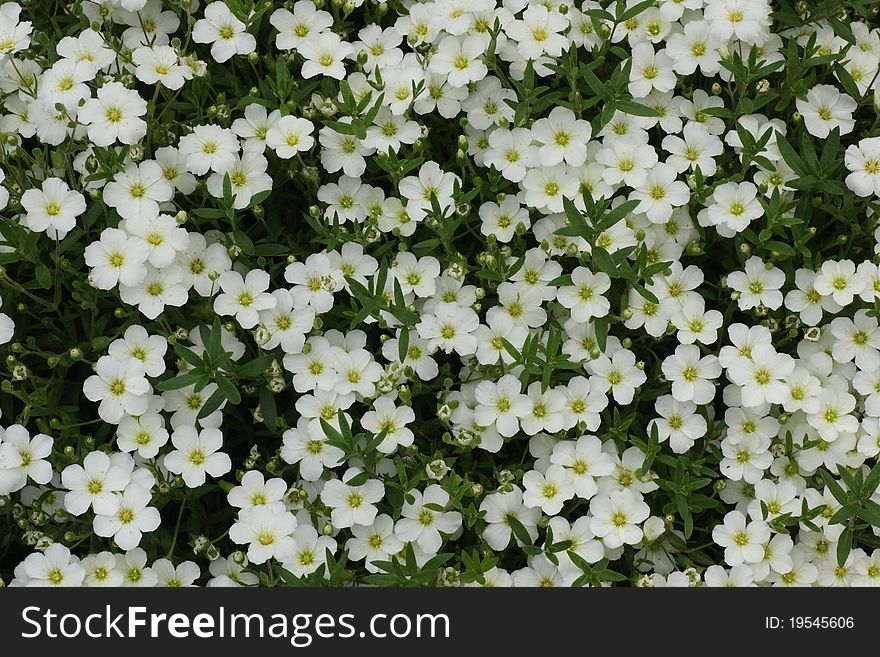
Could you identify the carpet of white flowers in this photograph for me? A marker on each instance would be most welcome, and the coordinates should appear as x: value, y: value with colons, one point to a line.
x: 442, y: 293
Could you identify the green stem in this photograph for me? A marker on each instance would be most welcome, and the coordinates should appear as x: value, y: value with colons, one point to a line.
x: 177, y: 526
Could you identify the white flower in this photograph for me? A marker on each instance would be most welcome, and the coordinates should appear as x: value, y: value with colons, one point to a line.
x: 746, y: 20
x: 94, y: 484
x: 856, y: 339
x: 585, y: 461
x: 309, y: 552
x: 267, y: 532
x: 226, y: 34
x: 306, y: 444
x: 287, y: 325
x: 145, y: 350
x: 64, y: 83
x: 538, y: 32
x: 290, y: 135
x: 834, y: 415
x: 324, y: 55
x: 650, y: 70
x: 548, y: 490
x: 761, y: 375
x: 806, y: 300
x: 100, y: 570
x: 116, y: 258
x: 157, y: 289
x: 679, y: 423
x: 357, y: 372
x: 562, y: 137
x: 145, y: 434
x: 160, y: 235
x: 160, y: 64
x: 618, y: 374
x: 627, y: 160
x: 459, y: 59
x: 616, y: 518
x: 138, y: 190
x: 423, y: 519
x: 450, y: 328
x: 247, y: 178
x: 173, y: 165
x: 244, y: 296
x: 691, y: 375
x: 759, y: 284
x: 209, y: 147
x: 392, y: 420
x: 735, y: 206
x: 131, y: 520
x: 499, y: 508
x: 863, y: 160
x: 696, y: 147
x: 696, y: 46
x: 170, y: 576
x: 120, y: 386
x: 15, y: 34
x: 747, y: 459
x: 374, y: 542
x: 511, y: 152
x: 297, y: 27
x: 256, y: 491
x: 839, y: 280
x: 826, y: 109
x: 352, y: 505
x: 660, y: 193
x: 23, y: 457
x: 197, y: 454
x: 54, y: 567
x: 501, y: 403
x: 114, y: 115
x: 546, y: 412
x: 199, y: 260
x: 743, y: 541
x: 53, y: 208
x: 584, y: 297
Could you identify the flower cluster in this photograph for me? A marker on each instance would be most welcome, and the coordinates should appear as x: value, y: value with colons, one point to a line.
x: 442, y: 292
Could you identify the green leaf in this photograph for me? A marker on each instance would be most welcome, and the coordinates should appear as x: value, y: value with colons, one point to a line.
x: 604, y: 261
x: 403, y: 344
x: 230, y: 391
x: 870, y: 513
x: 519, y: 530
x: 601, y: 326
x: 844, y: 545
x: 228, y: 196
x: 213, y: 403
x: 633, y: 11
x: 181, y: 381
x: 243, y: 242
x: 259, y: 197
x: 188, y: 355
x: 267, y: 407
x: 636, y: 109
x: 780, y: 247
x: 213, y: 344
x: 617, y: 214
x: 359, y: 479
x: 791, y: 158
x: 835, y: 488
x: 255, y: 367
x: 44, y: 276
